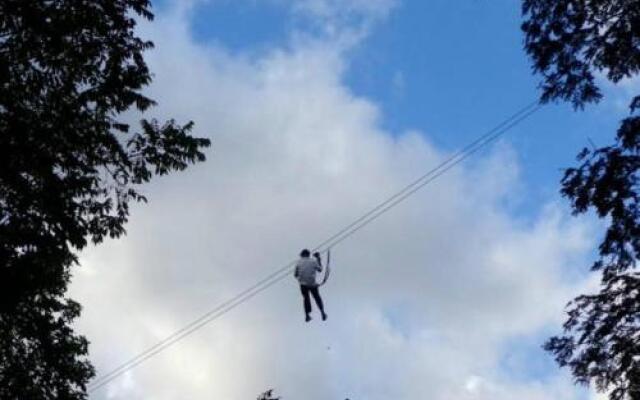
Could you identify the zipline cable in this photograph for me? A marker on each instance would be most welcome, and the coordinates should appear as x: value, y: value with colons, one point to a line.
x: 335, y: 239
x: 506, y: 123
x: 431, y: 178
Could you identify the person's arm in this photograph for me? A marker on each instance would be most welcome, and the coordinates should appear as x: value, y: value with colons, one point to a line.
x: 296, y: 272
x: 318, y: 265
x: 316, y: 255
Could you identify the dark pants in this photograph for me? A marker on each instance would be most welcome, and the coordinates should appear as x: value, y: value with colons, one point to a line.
x: 307, y: 301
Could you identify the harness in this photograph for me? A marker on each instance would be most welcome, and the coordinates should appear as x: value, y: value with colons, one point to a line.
x: 327, y: 270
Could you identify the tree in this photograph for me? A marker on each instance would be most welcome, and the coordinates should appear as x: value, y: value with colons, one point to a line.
x: 570, y: 42
x: 70, y: 165
x: 268, y: 395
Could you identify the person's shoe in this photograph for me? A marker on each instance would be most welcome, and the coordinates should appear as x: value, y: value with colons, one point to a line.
x: 307, y: 318
x: 324, y: 316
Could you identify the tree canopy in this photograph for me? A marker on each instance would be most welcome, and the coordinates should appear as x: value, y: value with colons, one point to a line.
x: 70, y: 164
x: 575, y: 44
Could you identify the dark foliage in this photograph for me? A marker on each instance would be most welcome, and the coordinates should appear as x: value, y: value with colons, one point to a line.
x: 571, y: 41
x: 69, y: 167
x: 268, y: 395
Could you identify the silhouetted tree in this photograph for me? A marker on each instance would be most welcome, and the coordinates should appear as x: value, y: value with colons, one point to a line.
x: 570, y: 42
x: 69, y: 167
x: 268, y: 395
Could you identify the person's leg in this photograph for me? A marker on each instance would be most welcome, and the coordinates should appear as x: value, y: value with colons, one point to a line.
x: 307, y: 301
x: 316, y: 296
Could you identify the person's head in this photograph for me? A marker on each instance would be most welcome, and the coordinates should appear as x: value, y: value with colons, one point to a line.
x: 316, y: 255
x: 305, y: 253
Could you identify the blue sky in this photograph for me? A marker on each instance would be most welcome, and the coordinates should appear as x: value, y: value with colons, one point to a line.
x: 310, y: 112
x: 450, y: 69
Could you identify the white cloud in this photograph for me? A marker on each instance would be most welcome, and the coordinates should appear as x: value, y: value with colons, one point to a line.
x: 340, y: 10
x: 421, y: 302
x: 345, y: 22
x: 619, y: 95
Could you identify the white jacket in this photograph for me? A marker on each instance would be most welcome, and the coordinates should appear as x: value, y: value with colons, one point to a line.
x: 306, y: 269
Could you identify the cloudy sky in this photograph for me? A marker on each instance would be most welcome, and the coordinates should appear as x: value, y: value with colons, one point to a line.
x: 317, y: 111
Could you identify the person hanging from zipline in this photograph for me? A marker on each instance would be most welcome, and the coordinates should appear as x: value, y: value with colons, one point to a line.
x: 305, y: 272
